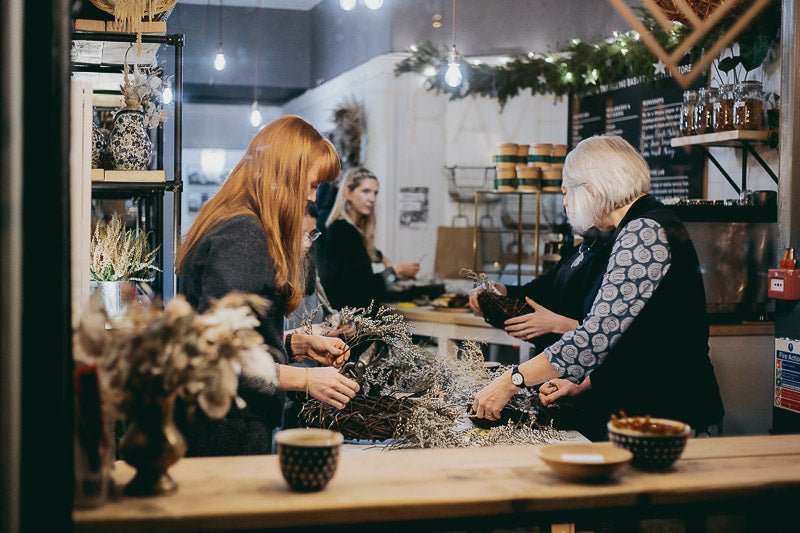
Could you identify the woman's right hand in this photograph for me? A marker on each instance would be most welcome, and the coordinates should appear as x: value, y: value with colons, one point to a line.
x: 550, y: 391
x: 406, y: 270
x: 327, y: 385
x: 499, y: 288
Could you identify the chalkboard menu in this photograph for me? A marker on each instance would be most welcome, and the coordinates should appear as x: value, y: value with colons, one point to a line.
x: 646, y: 117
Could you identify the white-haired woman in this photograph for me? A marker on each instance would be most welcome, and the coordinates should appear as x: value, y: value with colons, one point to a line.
x: 348, y: 249
x: 645, y: 340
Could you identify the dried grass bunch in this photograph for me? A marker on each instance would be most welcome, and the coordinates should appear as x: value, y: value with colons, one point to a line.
x: 142, y: 91
x: 177, y: 351
x: 117, y: 254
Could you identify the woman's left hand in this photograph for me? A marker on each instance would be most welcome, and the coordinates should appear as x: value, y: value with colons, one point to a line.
x: 489, y: 402
x: 551, y: 391
x: 328, y: 351
x: 541, y: 321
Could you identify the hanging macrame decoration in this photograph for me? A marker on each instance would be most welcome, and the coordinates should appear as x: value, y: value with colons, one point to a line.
x: 128, y: 14
x: 702, y: 16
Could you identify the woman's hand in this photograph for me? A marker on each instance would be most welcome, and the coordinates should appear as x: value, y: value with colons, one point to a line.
x: 552, y: 390
x: 346, y: 331
x: 328, y: 351
x: 328, y: 385
x: 406, y: 270
x: 489, y: 402
x: 499, y: 288
x: 541, y: 321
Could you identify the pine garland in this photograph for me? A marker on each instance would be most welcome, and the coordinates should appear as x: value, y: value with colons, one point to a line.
x: 583, y: 67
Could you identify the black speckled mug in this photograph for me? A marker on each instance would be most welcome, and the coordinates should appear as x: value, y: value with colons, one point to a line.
x: 308, y: 457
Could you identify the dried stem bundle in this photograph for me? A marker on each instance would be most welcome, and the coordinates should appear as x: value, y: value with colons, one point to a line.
x: 117, y: 254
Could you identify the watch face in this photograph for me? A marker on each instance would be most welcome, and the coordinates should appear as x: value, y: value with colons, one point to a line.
x: 517, y: 379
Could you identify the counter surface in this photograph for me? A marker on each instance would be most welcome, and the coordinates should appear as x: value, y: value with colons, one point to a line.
x: 502, y: 484
x: 429, y: 314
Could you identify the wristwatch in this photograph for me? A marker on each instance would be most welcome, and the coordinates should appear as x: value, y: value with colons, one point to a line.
x: 517, y: 378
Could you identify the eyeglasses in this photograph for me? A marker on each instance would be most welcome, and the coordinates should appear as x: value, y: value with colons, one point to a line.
x: 312, y: 235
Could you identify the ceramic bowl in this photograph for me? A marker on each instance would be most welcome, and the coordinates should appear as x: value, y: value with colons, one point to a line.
x: 578, y: 462
x: 651, y: 450
x: 308, y: 457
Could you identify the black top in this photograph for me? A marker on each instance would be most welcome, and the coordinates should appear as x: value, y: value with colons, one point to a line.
x: 345, y: 268
x: 569, y: 288
x: 233, y: 256
x: 660, y: 365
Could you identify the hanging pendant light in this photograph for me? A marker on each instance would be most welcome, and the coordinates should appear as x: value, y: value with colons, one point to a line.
x: 347, y: 5
x: 255, y: 114
x: 219, y: 59
x: 373, y: 4
x: 453, y: 76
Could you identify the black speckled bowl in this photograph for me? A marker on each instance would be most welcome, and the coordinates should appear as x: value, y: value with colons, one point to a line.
x: 308, y: 457
x: 651, y: 451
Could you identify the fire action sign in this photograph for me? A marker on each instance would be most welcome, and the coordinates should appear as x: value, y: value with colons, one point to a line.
x: 787, y: 374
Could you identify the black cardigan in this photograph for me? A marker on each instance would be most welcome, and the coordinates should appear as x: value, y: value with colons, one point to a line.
x: 345, y: 268
x: 233, y: 255
x: 569, y: 290
x: 661, y: 366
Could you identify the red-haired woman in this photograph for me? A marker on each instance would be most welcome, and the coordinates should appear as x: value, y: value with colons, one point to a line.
x: 249, y: 238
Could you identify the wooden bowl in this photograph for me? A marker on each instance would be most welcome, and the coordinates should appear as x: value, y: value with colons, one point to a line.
x: 577, y: 462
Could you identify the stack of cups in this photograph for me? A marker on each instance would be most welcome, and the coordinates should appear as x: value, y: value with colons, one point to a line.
x: 559, y: 154
x: 541, y: 155
x: 506, y: 167
x: 528, y: 178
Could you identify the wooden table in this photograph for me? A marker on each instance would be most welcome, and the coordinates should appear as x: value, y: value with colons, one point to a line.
x: 438, y: 488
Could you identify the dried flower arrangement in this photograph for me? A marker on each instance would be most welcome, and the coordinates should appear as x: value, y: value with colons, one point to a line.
x: 419, y: 400
x: 141, y: 90
x: 176, y: 351
x: 117, y: 254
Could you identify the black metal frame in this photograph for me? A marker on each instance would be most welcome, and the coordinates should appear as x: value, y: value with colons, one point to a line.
x: 143, y: 192
x: 746, y: 147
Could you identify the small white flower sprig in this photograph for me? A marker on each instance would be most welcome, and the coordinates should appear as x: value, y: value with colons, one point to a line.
x: 177, y: 351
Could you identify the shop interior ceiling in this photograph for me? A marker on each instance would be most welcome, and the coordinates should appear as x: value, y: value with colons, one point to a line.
x: 303, y: 43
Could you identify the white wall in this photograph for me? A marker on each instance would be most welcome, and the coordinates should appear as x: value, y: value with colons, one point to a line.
x: 413, y: 133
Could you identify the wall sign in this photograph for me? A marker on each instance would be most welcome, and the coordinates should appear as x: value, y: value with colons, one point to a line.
x: 648, y: 118
x: 787, y: 374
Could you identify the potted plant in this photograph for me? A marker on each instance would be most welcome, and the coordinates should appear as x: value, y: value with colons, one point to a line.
x: 118, y: 258
x: 163, y: 355
x: 130, y: 144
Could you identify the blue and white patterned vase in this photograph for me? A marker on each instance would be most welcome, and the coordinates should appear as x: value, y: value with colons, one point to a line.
x: 130, y: 144
x: 98, y: 146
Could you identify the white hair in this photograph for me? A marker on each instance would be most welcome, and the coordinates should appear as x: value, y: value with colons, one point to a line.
x: 601, y: 174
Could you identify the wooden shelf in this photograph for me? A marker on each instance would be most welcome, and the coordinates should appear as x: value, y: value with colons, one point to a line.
x: 722, y: 138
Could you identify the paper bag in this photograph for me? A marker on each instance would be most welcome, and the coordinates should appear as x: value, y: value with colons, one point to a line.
x: 453, y: 250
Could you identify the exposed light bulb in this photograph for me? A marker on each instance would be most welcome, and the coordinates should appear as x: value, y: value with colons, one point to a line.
x: 347, y: 5
x: 429, y: 71
x: 452, y: 75
x: 255, y: 116
x: 219, y: 60
x: 373, y: 4
x: 167, y: 96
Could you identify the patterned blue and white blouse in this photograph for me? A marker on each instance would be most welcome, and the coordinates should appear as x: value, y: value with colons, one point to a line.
x: 639, y: 261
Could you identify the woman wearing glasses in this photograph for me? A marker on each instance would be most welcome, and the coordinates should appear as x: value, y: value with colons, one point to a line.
x: 352, y: 270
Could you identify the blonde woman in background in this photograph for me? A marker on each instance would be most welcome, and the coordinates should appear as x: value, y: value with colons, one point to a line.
x: 352, y: 270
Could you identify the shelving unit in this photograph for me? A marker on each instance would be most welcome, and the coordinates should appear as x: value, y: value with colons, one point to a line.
x: 744, y: 139
x: 520, y: 196
x: 99, y: 57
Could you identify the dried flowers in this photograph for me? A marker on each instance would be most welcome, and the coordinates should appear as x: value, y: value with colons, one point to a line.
x: 177, y: 351
x: 117, y: 254
x: 141, y: 89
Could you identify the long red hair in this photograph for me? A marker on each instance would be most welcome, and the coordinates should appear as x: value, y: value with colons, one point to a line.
x: 271, y: 183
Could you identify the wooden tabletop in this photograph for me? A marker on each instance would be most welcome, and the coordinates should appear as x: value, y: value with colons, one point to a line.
x: 427, y: 313
x: 234, y: 493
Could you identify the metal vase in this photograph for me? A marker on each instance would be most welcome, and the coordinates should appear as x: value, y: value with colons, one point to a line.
x: 116, y: 295
x: 152, y: 444
x: 131, y: 148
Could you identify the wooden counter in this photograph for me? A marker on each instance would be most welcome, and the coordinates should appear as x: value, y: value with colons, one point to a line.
x: 503, y: 485
x: 429, y: 314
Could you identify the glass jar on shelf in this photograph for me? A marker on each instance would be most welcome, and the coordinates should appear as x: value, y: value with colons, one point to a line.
x: 703, y: 117
x: 688, y: 112
x: 748, y: 106
x: 723, y: 109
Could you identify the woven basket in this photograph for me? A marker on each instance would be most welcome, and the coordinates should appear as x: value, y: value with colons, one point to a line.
x: 702, y: 8
x: 497, y: 309
x: 159, y: 6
